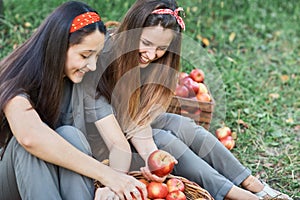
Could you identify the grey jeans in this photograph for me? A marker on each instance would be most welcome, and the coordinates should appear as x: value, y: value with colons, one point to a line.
x: 24, y: 176
x: 201, y: 157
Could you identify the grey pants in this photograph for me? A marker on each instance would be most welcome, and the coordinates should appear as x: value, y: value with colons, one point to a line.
x: 24, y: 176
x: 201, y: 157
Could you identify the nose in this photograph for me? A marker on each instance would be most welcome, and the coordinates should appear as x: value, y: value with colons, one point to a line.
x: 151, y: 53
x: 92, y: 66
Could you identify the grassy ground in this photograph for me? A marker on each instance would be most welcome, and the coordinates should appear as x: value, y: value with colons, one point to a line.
x: 254, y: 47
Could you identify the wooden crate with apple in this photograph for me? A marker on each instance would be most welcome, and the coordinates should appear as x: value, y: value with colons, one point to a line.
x: 193, y: 98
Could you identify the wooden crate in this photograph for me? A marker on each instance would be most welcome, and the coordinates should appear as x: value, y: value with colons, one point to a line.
x: 201, y: 112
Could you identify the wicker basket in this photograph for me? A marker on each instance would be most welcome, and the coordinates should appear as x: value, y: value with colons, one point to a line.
x: 192, y: 190
x: 201, y: 112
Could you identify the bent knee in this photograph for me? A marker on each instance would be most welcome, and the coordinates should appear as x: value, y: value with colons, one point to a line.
x: 75, y: 137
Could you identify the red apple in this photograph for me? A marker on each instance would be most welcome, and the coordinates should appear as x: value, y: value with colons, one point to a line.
x: 176, y: 195
x: 197, y: 75
x: 175, y: 184
x: 182, y: 91
x: 133, y: 197
x: 204, y: 97
x: 141, y: 193
x: 191, y: 85
x: 160, y: 163
x: 144, y: 181
x: 223, y: 132
x: 157, y: 190
x: 202, y: 88
x: 182, y: 75
x: 228, y: 142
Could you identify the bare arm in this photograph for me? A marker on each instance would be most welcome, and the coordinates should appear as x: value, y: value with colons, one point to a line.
x: 41, y: 141
x: 143, y: 142
x: 119, y: 149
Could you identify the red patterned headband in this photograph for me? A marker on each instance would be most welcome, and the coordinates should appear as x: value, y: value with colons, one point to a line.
x: 174, y: 13
x: 84, y: 20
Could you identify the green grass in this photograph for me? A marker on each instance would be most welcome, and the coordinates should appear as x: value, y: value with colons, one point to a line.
x: 258, y: 69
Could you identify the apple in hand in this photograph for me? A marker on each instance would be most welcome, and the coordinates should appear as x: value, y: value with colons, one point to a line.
x: 157, y: 190
x: 223, y: 132
x: 160, y: 163
x: 182, y: 91
x: 176, y: 195
x: 228, y: 142
x: 175, y: 184
x: 197, y: 75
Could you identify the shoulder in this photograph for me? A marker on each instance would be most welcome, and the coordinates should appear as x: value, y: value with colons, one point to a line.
x: 19, y: 102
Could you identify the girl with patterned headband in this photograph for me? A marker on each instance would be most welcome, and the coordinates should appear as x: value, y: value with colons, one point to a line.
x: 45, y: 156
x: 138, y: 70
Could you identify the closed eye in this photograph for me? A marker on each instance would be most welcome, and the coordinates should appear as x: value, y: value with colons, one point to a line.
x: 146, y: 43
x: 85, y: 56
x: 162, y: 48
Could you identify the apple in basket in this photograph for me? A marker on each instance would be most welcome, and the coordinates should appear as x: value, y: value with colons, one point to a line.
x: 157, y: 190
x: 176, y: 195
x: 144, y: 181
x: 190, y: 84
x: 175, y: 184
x: 134, y: 198
x: 197, y: 75
x: 203, y: 97
x: 160, y: 163
x: 182, y: 75
x: 202, y: 88
x: 182, y: 91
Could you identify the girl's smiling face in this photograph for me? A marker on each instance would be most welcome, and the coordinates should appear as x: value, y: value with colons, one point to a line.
x: 82, y: 58
x: 154, y: 43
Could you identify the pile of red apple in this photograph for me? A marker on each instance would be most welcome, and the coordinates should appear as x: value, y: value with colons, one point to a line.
x: 192, y: 86
x: 224, y: 134
x: 171, y: 189
x: 161, y: 164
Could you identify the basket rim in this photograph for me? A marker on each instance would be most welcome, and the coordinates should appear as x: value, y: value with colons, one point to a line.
x: 186, y: 99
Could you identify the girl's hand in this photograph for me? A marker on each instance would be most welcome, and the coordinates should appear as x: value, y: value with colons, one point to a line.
x: 151, y: 177
x: 105, y: 194
x: 126, y: 187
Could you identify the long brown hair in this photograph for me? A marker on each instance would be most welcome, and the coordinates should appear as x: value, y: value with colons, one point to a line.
x: 36, y: 68
x: 135, y: 93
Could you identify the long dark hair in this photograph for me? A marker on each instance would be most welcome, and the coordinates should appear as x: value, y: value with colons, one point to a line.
x: 36, y: 68
x: 136, y: 109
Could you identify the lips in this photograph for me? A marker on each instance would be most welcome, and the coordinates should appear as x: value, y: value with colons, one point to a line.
x: 80, y: 73
x: 144, y: 60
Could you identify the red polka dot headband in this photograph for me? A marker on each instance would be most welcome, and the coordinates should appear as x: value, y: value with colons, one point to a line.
x: 83, y: 20
x: 174, y: 13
